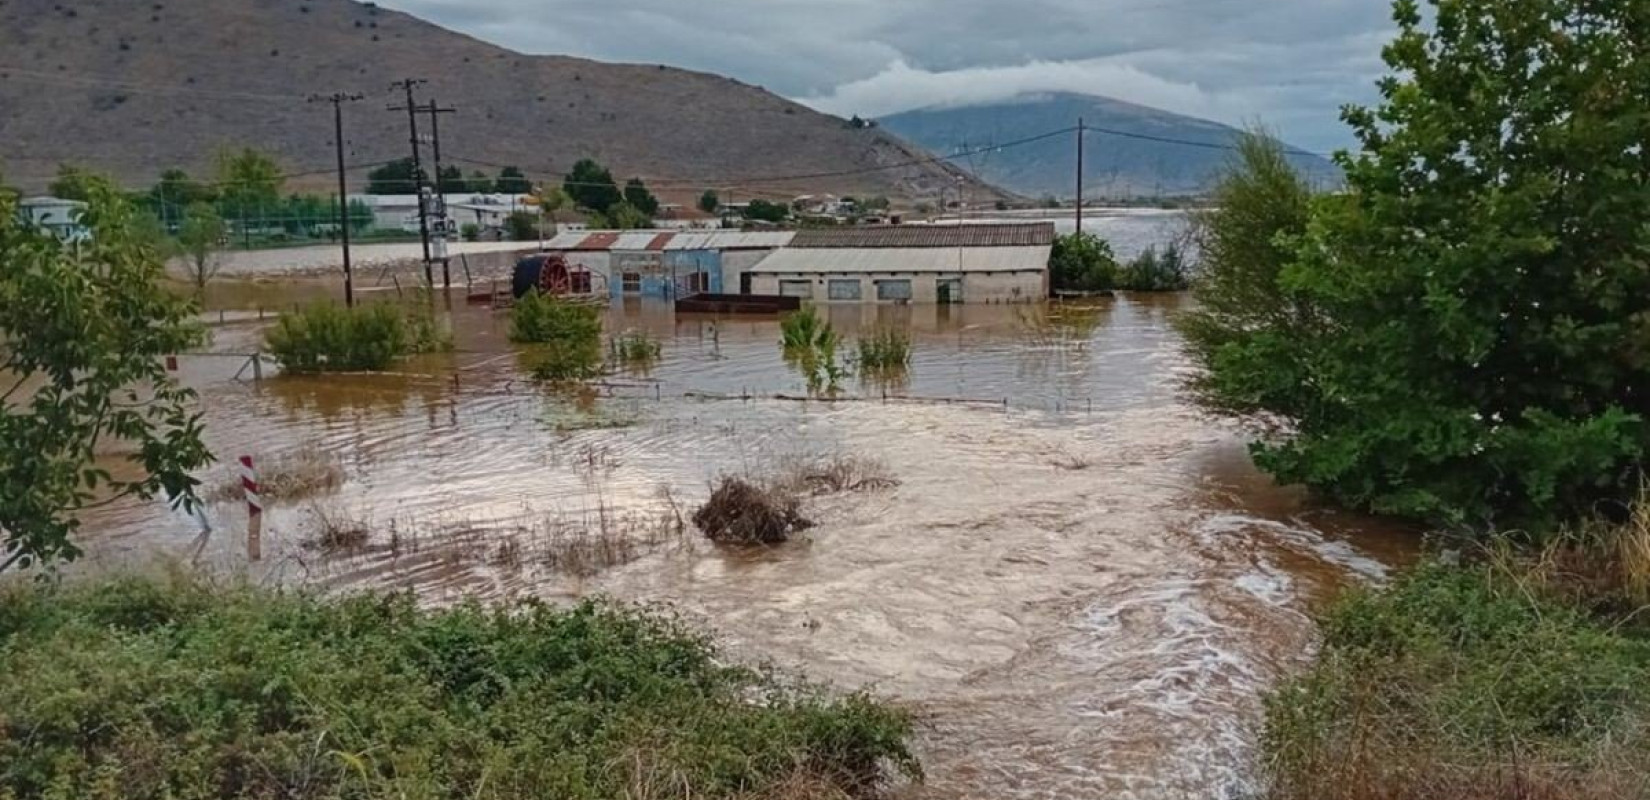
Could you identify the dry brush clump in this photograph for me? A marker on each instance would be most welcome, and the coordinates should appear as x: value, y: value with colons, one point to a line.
x: 298, y: 475
x: 769, y: 511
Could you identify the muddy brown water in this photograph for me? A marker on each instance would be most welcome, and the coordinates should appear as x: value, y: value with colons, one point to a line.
x: 1081, y: 582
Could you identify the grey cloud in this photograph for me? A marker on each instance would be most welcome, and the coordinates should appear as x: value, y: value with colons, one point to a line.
x: 1288, y: 63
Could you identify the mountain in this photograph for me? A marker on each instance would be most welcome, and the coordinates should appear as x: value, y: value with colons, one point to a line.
x: 133, y: 88
x: 1138, y: 164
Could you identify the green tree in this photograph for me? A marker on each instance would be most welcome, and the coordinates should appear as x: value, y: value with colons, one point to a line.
x: 765, y: 211
x: 71, y: 183
x: 591, y: 186
x: 175, y: 192
x: 1469, y: 342
x: 249, y: 185
x: 522, y: 226
x: 709, y: 202
x: 639, y: 198
x: 1082, y: 262
x: 360, y: 215
x: 480, y: 183
x: 200, y: 237
x: 83, y: 328
x: 551, y: 201
x: 453, y: 181
x: 511, y: 180
x: 396, y: 177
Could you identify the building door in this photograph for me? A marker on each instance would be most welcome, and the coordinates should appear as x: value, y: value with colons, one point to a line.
x: 948, y: 291
x: 744, y: 283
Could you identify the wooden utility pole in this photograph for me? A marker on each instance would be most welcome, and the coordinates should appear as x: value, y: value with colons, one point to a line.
x: 337, y: 100
x: 1079, y: 174
x: 418, y: 171
x: 435, y: 111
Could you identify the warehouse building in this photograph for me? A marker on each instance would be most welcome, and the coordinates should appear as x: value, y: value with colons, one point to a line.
x: 972, y: 263
x: 667, y: 264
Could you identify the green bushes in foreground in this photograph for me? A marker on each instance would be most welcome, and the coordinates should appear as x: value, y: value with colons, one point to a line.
x: 366, y: 338
x: 568, y: 337
x: 145, y: 689
x: 1464, y: 683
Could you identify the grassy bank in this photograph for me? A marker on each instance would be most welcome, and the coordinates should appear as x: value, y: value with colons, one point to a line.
x: 149, y: 689
x: 1501, y: 679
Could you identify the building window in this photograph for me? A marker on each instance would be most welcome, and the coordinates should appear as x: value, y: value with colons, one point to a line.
x: 632, y: 283
x: 580, y: 282
x: 894, y: 290
x: 844, y: 289
x: 698, y: 282
x: 803, y: 289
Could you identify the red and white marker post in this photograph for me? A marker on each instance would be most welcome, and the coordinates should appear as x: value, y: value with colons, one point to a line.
x: 254, y: 510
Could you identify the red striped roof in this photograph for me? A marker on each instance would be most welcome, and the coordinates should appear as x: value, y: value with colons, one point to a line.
x: 597, y: 241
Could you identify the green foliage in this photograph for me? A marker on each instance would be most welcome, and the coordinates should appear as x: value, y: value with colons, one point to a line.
x: 567, y: 336
x: 1152, y: 271
x: 592, y: 188
x: 1470, y: 342
x: 175, y: 193
x: 72, y: 183
x: 480, y: 183
x: 452, y: 181
x: 886, y: 350
x: 622, y: 216
x: 330, y: 338
x: 511, y: 180
x: 200, y: 236
x: 637, y: 349
x: 639, y: 198
x: 83, y: 330
x: 469, y: 231
x: 810, y: 344
x: 396, y: 177
x: 249, y: 181
x: 144, y: 690
x: 710, y: 201
x: 764, y: 211
x: 1082, y: 262
x: 522, y: 226
x: 1454, y: 682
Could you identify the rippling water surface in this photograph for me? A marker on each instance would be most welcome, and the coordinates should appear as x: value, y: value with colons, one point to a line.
x: 1080, y: 582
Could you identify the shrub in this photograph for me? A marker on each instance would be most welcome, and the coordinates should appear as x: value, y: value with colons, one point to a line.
x: 741, y: 512
x: 144, y: 689
x: 331, y: 338
x: 885, y: 350
x: 568, y: 335
x: 1156, y: 272
x: 470, y: 231
x: 1082, y: 262
x: 1460, y: 683
x: 636, y: 348
x: 522, y: 226
x: 810, y: 344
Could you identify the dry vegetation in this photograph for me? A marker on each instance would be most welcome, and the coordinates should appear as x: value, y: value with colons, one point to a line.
x: 299, y: 475
x: 769, y: 511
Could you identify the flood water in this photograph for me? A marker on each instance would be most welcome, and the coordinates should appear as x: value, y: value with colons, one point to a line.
x: 1080, y: 582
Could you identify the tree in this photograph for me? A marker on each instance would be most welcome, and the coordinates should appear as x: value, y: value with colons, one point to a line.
x: 480, y: 183
x: 175, y: 192
x: 72, y: 183
x: 622, y: 216
x: 522, y: 226
x: 764, y: 211
x: 360, y: 215
x: 250, y: 184
x: 396, y: 177
x: 639, y: 198
x: 709, y: 202
x: 591, y: 186
x: 200, y: 237
x: 511, y: 180
x: 1469, y: 326
x: 83, y: 328
x: 1082, y: 262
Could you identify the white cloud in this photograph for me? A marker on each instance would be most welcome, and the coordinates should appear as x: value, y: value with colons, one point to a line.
x: 902, y: 87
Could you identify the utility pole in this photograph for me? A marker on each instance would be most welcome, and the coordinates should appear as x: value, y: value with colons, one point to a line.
x: 435, y: 111
x: 418, y: 171
x: 1079, y: 174
x: 337, y: 100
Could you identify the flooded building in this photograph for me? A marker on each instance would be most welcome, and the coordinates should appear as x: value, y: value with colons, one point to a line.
x: 978, y: 263
x: 667, y: 264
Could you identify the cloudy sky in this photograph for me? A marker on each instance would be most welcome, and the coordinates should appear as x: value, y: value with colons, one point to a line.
x: 1289, y: 64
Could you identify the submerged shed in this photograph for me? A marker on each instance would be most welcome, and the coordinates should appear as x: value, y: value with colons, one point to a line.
x: 975, y: 263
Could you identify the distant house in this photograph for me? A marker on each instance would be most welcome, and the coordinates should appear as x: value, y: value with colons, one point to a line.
x: 974, y: 263
x: 56, y: 214
x: 399, y: 212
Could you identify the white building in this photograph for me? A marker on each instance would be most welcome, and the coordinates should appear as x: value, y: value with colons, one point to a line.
x: 60, y: 216
x: 975, y: 263
x: 399, y: 212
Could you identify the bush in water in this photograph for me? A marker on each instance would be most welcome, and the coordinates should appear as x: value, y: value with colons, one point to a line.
x: 885, y: 350
x: 810, y: 344
x: 741, y: 512
x: 367, y: 338
x: 1152, y: 271
x: 137, y: 688
x: 1082, y: 262
x: 568, y: 336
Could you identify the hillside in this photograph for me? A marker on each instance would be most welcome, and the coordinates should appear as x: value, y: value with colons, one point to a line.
x: 1115, y: 166
x: 133, y: 88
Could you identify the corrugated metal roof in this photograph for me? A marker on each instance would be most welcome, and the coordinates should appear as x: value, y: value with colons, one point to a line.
x: 730, y: 240
x: 1023, y: 234
x: 566, y: 240
x: 861, y: 260
x: 596, y: 241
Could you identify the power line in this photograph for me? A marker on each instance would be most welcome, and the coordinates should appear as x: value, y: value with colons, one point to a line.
x: 1190, y: 143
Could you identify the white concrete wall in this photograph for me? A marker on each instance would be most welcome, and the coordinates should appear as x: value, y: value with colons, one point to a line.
x: 978, y: 287
x: 736, y: 263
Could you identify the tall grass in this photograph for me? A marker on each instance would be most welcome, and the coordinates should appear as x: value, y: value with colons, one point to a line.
x: 636, y: 349
x: 136, y: 688
x: 331, y: 338
x: 810, y: 344
x: 568, y: 335
x: 885, y: 350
